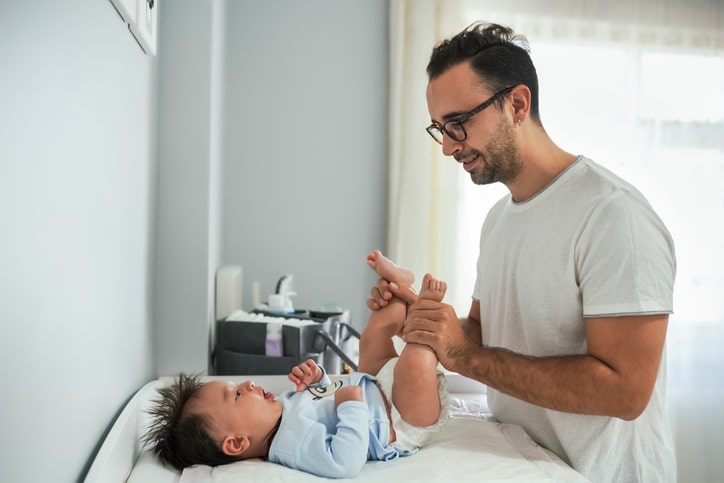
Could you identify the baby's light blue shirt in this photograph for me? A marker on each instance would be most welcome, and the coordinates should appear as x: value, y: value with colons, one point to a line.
x: 318, y: 438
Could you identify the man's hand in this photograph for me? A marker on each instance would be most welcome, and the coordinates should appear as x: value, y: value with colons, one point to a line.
x: 435, y: 324
x: 305, y: 374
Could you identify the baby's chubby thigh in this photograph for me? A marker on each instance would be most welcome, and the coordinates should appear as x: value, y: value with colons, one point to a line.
x: 415, y: 391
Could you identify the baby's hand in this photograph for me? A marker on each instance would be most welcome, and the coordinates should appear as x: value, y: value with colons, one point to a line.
x: 305, y: 374
x: 347, y: 393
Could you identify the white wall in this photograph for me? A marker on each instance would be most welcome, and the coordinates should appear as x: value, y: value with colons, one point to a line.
x: 76, y: 201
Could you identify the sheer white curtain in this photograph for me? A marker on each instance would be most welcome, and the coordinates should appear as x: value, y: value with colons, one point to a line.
x: 638, y: 86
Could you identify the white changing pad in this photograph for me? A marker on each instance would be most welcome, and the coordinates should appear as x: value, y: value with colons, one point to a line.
x: 469, y: 448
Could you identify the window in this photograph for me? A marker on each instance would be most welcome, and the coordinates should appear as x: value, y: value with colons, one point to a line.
x: 660, y: 128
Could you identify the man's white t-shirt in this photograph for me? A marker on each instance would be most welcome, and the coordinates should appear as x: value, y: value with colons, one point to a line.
x: 588, y: 245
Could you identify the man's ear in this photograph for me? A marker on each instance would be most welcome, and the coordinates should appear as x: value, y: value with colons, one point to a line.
x: 520, y: 98
x: 235, y: 445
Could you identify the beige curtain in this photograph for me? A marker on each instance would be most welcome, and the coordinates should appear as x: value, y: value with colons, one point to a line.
x: 424, y: 186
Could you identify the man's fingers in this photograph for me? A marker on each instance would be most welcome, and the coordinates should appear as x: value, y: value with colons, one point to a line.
x: 407, y: 294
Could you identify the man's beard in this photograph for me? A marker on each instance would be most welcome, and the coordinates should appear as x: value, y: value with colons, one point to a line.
x: 502, y: 163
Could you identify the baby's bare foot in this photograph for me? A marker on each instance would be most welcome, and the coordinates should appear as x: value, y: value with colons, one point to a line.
x: 432, y: 288
x: 386, y: 269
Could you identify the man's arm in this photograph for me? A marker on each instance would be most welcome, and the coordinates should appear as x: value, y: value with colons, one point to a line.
x: 615, y: 378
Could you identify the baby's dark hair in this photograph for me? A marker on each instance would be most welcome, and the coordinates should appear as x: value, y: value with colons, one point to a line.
x: 181, y: 438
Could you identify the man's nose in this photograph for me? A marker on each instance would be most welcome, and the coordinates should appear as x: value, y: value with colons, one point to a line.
x: 450, y: 146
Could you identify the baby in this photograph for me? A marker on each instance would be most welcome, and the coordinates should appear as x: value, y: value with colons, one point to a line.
x: 387, y: 409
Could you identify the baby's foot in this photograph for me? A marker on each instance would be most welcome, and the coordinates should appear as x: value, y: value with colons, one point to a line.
x: 432, y: 288
x: 386, y: 269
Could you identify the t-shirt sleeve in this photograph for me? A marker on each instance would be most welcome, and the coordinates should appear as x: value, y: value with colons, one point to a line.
x: 625, y: 260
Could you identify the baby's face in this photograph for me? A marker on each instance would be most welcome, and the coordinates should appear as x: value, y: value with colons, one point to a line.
x: 237, y: 409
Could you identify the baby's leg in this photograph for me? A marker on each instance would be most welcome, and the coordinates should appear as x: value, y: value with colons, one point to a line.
x: 414, y: 391
x: 376, y: 346
x: 386, y: 269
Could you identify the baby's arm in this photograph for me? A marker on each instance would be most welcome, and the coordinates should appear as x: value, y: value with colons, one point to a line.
x: 347, y: 393
x: 343, y: 452
x: 305, y: 374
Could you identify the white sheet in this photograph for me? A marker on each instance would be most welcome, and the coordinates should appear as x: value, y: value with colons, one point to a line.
x: 468, y: 449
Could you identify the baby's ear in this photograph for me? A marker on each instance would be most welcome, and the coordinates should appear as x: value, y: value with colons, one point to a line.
x: 235, y: 445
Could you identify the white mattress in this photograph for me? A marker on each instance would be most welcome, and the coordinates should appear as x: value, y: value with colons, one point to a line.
x: 470, y: 448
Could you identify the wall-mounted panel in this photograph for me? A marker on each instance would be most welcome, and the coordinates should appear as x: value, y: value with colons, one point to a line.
x: 141, y: 17
x: 144, y: 28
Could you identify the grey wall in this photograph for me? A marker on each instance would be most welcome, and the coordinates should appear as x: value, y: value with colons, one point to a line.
x: 187, y: 231
x: 305, y: 166
x: 77, y: 174
x: 272, y: 156
x: 113, y: 228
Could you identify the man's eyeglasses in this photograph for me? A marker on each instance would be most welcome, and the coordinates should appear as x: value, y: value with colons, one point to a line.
x: 455, y: 128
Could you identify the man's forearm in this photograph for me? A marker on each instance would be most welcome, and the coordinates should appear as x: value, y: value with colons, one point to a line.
x: 472, y: 329
x: 576, y: 384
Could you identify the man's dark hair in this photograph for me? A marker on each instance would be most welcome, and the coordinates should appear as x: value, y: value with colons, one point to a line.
x: 181, y: 438
x: 500, y: 57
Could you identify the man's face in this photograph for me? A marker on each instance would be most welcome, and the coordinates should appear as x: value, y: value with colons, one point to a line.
x: 489, y: 152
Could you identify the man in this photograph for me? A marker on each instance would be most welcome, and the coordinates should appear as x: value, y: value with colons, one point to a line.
x: 575, y: 274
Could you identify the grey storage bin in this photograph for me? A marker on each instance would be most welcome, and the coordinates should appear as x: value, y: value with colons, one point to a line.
x: 240, y: 346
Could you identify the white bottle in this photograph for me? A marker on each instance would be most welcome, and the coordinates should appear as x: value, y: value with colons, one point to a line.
x: 274, y: 346
x: 278, y: 305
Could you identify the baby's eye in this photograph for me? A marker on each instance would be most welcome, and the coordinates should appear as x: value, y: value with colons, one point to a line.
x: 238, y: 393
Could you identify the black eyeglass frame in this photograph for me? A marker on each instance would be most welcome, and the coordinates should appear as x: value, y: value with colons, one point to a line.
x: 436, y: 128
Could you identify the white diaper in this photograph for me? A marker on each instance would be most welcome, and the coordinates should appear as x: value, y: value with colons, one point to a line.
x: 410, y: 438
